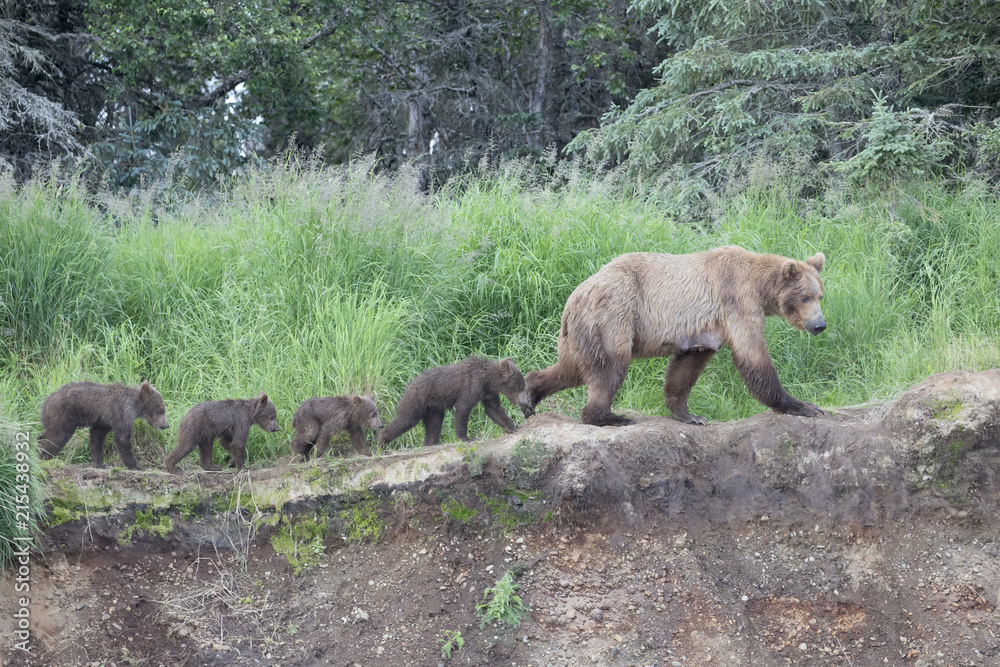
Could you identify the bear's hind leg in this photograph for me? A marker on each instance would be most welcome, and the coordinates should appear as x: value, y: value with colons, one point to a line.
x: 323, y: 440
x: 542, y: 384
x: 205, y: 453
x: 601, y: 390
x: 51, y: 442
x: 403, y: 422
x: 305, y: 438
x: 682, y: 373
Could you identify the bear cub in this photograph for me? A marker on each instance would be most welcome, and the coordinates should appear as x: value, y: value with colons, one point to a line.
x: 319, y: 418
x: 229, y: 421
x: 102, y: 408
x: 461, y: 386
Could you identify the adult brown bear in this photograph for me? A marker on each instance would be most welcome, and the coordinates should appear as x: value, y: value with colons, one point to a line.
x: 646, y: 304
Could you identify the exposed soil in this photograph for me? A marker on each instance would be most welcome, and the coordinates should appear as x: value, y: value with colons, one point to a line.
x: 654, y: 544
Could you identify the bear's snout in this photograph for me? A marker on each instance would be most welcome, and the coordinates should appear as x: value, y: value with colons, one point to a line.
x: 817, y: 327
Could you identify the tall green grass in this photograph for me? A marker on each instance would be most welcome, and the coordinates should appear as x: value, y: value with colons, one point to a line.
x: 303, y: 281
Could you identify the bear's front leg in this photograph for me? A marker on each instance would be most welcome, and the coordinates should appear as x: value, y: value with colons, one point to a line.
x: 762, y: 380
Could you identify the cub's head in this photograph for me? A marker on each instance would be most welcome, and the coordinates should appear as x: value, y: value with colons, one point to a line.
x: 365, y: 412
x: 153, y: 410
x: 801, y: 292
x: 512, y: 384
x: 265, y: 414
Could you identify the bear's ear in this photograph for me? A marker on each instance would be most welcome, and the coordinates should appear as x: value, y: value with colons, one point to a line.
x: 817, y: 261
x: 356, y: 400
x: 145, y: 389
x: 790, y: 270
x: 508, y: 366
x: 262, y: 398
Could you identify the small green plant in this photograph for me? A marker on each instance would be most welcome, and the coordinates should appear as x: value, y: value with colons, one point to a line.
x: 360, y: 522
x: 292, y: 629
x: 508, y: 512
x: 472, y: 458
x: 457, y: 513
x: 526, y: 459
x: 147, y: 522
x: 500, y: 604
x: 452, y: 640
x: 301, y: 543
x: 403, y: 500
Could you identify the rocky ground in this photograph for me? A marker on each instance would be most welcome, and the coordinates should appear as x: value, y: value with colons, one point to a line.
x: 869, y: 537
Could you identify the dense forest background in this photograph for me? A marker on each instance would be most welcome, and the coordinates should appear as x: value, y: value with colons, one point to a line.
x: 130, y: 91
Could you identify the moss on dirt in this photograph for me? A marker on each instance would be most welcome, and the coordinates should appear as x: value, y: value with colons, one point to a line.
x: 947, y: 406
x: 300, y: 542
x: 360, y: 522
x: 146, y: 522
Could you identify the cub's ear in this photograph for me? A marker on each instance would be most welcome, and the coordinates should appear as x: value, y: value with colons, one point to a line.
x: 817, y: 261
x: 356, y: 400
x: 508, y: 366
x: 790, y: 270
x: 262, y: 398
x: 145, y: 389
x: 370, y: 397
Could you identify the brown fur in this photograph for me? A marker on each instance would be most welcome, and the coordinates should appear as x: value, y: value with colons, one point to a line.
x: 318, y: 419
x: 462, y: 386
x: 102, y: 408
x: 687, y: 306
x: 229, y: 421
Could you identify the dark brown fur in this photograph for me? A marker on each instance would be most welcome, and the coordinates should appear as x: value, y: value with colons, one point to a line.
x: 686, y: 306
x: 318, y: 419
x: 103, y: 408
x: 229, y: 421
x: 463, y: 385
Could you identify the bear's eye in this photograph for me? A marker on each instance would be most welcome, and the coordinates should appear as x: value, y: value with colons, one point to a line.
x: 805, y: 299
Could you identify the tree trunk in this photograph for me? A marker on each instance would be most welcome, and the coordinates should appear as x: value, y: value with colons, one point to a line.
x: 537, y: 133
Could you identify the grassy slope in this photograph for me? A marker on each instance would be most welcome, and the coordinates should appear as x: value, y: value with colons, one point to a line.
x: 305, y: 282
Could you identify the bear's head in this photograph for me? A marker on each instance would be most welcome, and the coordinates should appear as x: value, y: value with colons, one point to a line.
x: 152, y: 408
x: 265, y: 414
x: 365, y: 412
x: 512, y: 384
x: 801, y: 292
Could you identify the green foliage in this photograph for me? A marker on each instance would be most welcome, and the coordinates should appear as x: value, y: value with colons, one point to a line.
x: 452, y: 641
x: 526, y: 459
x: 897, y: 146
x: 801, y: 78
x: 146, y: 522
x: 301, y: 542
x: 455, y: 512
x: 360, y: 522
x: 501, y: 605
x: 21, y: 506
x: 472, y: 458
